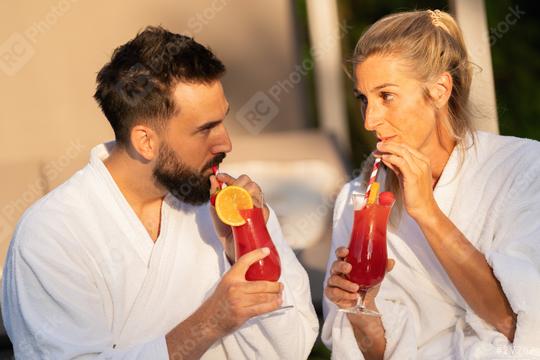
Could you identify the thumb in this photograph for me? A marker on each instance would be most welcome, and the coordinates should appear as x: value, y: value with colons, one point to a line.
x: 246, y: 260
x: 214, y: 184
x: 390, y: 265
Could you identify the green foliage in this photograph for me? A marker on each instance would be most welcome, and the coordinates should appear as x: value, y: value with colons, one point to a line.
x: 516, y: 66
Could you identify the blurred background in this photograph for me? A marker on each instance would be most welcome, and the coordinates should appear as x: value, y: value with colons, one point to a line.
x: 295, y: 126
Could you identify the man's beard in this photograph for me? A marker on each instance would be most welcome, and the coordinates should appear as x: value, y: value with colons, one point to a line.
x: 185, y: 184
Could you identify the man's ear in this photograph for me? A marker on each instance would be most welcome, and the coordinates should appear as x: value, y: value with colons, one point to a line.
x: 145, y: 141
x: 441, y: 89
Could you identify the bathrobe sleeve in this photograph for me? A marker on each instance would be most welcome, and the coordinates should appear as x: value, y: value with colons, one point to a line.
x: 282, y: 334
x: 515, y: 259
x: 51, y: 306
x: 337, y: 332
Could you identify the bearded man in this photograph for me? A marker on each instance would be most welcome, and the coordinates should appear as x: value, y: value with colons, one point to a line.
x: 127, y: 260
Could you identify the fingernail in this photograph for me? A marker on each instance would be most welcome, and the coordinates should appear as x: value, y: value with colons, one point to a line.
x: 266, y: 250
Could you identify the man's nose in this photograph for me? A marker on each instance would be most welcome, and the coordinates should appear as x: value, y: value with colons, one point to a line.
x: 222, y: 142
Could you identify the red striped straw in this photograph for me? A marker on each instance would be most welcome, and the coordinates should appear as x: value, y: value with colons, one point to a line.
x: 220, y: 184
x: 373, y: 176
x: 215, y: 171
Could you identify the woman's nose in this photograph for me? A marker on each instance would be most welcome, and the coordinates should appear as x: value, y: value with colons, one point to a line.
x: 372, y: 118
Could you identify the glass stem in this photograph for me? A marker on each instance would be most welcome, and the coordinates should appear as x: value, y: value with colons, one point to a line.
x: 362, y: 299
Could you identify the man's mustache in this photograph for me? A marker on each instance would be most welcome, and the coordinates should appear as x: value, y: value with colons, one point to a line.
x: 215, y: 161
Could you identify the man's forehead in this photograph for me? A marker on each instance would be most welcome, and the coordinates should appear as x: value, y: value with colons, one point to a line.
x: 200, y: 102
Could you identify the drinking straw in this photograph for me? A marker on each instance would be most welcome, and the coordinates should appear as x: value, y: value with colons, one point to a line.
x: 215, y: 171
x: 213, y: 196
x: 373, y: 176
x: 372, y: 199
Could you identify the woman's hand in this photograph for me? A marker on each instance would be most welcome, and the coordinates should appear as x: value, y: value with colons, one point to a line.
x: 413, y: 170
x: 343, y: 292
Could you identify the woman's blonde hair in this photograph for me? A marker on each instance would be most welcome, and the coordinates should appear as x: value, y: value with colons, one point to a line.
x: 430, y: 43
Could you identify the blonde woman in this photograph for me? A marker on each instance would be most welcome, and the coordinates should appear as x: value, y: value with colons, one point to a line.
x: 464, y: 238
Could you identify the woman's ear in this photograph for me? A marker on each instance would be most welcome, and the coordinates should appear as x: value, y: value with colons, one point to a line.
x: 145, y: 141
x: 441, y: 89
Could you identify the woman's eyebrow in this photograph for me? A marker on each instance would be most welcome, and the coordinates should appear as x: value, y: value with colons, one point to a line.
x: 378, y: 87
x: 357, y: 93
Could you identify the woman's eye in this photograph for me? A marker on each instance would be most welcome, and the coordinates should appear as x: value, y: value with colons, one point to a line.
x: 363, y: 99
x: 387, y: 96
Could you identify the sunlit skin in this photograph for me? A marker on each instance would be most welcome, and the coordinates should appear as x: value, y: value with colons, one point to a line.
x: 196, y: 134
x: 416, y: 146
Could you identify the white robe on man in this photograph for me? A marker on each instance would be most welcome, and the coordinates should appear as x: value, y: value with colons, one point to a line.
x: 83, y: 279
x: 494, y: 200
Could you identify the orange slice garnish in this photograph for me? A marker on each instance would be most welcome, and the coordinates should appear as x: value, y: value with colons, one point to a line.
x: 229, y: 201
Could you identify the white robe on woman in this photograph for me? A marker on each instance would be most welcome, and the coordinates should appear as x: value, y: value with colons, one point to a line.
x: 83, y: 279
x: 494, y: 199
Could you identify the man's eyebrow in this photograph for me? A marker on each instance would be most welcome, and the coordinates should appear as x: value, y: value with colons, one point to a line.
x: 214, y: 123
x: 209, y: 125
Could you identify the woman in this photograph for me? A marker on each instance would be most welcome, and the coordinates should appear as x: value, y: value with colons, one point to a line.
x: 465, y: 233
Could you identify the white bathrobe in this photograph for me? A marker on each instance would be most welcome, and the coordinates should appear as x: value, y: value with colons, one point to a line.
x: 494, y: 199
x: 83, y: 279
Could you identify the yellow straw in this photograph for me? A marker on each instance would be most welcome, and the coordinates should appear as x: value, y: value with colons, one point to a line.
x: 373, y: 192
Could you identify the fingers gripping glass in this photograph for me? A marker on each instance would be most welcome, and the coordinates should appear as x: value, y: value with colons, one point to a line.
x: 367, y: 249
x: 254, y: 235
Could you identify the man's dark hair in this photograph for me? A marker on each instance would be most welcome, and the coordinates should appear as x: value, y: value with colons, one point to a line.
x: 137, y: 84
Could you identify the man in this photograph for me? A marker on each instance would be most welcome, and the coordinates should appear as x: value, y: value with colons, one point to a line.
x: 127, y: 258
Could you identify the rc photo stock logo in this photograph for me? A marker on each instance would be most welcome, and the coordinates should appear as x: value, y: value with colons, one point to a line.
x: 5, y: 230
x: 15, y: 52
x: 257, y: 113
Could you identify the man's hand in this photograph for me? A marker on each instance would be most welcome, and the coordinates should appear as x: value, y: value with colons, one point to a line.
x: 236, y: 300
x: 224, y: 231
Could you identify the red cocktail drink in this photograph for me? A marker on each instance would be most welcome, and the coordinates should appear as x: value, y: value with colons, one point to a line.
x: 367, y: 247
x: 254, y: 235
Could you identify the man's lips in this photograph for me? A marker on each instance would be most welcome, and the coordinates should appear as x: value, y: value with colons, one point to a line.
x: 385, y: 138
